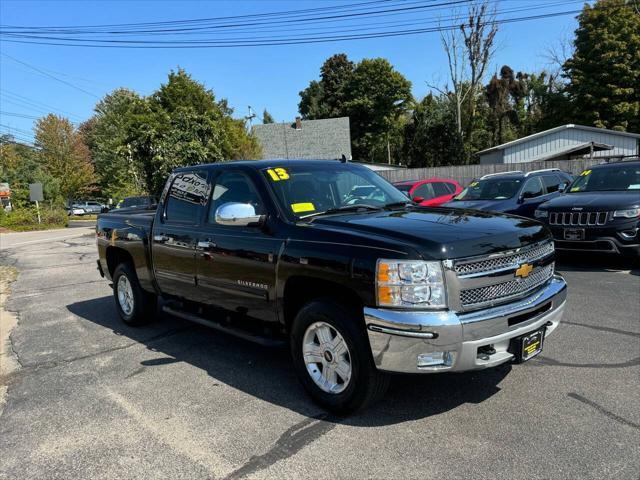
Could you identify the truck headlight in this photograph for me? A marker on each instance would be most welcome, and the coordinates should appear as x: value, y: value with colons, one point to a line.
x: 628, y: 213
x: 410, y: 284
x: 541, y: 214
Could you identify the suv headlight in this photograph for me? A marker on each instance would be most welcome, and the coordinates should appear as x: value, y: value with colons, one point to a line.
x: 410, y: 284
x: 541, y: 214
x: 628, y: 213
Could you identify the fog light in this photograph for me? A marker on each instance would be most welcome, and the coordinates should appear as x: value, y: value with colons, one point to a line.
x: 435, y: 359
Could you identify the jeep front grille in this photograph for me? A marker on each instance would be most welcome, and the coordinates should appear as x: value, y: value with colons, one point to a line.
x: 578, y: 218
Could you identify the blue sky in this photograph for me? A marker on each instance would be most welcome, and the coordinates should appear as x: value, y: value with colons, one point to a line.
x: 263, y: 77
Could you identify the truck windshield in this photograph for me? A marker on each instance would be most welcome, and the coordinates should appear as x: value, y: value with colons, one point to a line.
x: 613, y: 178
x: 491, y: 189
x: 314, y: 189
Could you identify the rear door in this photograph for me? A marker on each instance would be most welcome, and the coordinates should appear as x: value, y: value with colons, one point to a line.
x: 175, y: 233
x: 236, y: 265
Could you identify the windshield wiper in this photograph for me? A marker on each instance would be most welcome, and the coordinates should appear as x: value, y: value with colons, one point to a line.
x: 344, y: 208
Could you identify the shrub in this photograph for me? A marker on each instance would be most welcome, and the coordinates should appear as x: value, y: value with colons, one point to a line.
x: 27, y: 218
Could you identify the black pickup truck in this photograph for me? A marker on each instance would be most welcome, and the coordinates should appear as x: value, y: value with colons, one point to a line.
x: 357, y: 284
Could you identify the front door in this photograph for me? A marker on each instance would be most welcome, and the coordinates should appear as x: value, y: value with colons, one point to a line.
x: 236, y: 265
x: 175, y: 233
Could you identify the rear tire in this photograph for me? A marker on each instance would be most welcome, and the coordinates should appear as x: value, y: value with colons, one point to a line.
x: 332, y: 357
x: 134, y: 305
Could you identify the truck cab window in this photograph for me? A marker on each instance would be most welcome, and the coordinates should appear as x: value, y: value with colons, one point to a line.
x: 234, y: 187
x: 186, y: 197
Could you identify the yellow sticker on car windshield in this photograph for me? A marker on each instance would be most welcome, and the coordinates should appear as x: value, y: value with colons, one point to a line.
x: 303, y: 207
x: 585, y: 173
x: 278, y: 174
x: 575, y: 189
x: 473, y: 184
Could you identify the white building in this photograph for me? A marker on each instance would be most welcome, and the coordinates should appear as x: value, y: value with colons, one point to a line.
x: 567, y: 142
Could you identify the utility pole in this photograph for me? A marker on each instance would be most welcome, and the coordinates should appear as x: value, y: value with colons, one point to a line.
x: 250, y: 118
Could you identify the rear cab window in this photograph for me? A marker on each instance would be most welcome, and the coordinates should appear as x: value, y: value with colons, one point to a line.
x: 186, y: 197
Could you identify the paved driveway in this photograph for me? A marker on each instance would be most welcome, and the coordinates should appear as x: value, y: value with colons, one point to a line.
x: 96, y: 399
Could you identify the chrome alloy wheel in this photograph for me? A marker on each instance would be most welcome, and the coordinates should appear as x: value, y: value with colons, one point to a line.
x: 125, y: 295
x: 327, y: 357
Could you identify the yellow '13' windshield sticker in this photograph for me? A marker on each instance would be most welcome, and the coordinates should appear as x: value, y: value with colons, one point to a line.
x: 278, y: 174
x: 585, y: 173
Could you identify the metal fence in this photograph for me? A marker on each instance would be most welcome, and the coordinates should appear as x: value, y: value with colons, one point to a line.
x: 463, y: 174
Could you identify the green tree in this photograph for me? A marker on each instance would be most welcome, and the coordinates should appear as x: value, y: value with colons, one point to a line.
x: 372, y: 94
x: 378, y: 97
x: 431, y: 137
x: 266, y: 117
x: 604, y: 72
x: 326, y: 98
x: 64, y: 156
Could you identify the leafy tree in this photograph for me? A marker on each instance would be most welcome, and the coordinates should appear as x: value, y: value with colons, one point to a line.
x: 604, y: 72
x: 64, y: 156
x: 371, y: 93
x: 431, y: 137
x: 266, y: 117
x: 378, y: 96
x: 137, y: 141
x: 326, y: 98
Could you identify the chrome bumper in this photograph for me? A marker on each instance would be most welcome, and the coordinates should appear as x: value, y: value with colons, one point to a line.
x: 397, y: 338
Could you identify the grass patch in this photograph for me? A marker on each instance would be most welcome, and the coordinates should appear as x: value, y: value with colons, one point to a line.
x: 26, y: 219
x: 83, y: 217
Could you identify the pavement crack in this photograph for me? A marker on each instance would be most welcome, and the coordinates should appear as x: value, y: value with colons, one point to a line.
x: 290, y: 442
x: 603, y: 329
x: 603, y: 410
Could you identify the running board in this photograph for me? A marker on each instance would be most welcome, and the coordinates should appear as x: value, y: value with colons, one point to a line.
x: 236, y: 332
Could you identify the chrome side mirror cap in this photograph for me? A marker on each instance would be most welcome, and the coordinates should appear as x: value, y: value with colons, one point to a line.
x: 238, y: 215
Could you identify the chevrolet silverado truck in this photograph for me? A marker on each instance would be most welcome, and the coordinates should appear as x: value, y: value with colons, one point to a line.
x: 283, y: 252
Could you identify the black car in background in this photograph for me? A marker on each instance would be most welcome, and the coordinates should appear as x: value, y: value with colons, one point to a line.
x: 516, y: 192
x: 599, y: 212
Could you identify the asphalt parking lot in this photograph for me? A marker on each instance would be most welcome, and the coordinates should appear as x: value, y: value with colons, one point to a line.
x: 93, y: 398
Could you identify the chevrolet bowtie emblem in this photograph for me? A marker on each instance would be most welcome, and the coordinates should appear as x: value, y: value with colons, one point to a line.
x: 524, y: 270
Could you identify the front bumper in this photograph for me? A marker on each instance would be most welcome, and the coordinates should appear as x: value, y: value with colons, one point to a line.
x: 398, y: 338
x: 620, y: 237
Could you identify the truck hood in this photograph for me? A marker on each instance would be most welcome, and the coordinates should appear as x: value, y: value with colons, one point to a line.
x: 488, y: 205
x: 594, y: 201
x: 440, y: 233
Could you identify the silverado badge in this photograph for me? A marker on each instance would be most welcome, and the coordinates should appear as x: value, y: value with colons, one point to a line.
x: 524, y: 270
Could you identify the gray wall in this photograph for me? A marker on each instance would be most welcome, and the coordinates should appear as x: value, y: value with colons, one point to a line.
x: 317, y: 139
x: 463, y: 174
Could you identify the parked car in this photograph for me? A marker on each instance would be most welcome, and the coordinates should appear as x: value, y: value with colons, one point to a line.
x: 514, y: 192
x: 137, y: 203
x: 430, y: 192
x: 90, y: 207
x: 76, y: 210
x: 269, y: 251
x: 599, y: 212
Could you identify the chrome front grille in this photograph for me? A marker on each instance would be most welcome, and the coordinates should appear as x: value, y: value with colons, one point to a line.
x: 506, y: 290
x: 578, y: 218
x: 499, y: 262
x: 475, y: 282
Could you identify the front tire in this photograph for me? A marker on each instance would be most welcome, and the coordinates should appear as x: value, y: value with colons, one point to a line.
x: 332, y: 357
x: 134, y: 305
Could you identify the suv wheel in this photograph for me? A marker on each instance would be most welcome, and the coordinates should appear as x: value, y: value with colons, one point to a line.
x: 332, y: 357
x: 134, y: 305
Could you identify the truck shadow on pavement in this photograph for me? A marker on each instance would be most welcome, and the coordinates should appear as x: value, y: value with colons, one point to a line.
x: 267, y: 373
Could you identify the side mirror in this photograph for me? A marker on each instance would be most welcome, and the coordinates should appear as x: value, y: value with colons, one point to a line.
x: 562, y: 187
x: 238, y: 215
x: 418, y: 199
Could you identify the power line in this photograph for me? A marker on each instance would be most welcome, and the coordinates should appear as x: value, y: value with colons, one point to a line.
x: 253, y: 42
x: 34, y: 105
x: 50, y: 75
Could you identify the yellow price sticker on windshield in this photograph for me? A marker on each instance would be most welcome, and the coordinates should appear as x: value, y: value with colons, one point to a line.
x: 575, y: 189
x: 278, y: 174
x: 473, y: 184
x: 303, y: 207
x: 585, y: 173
